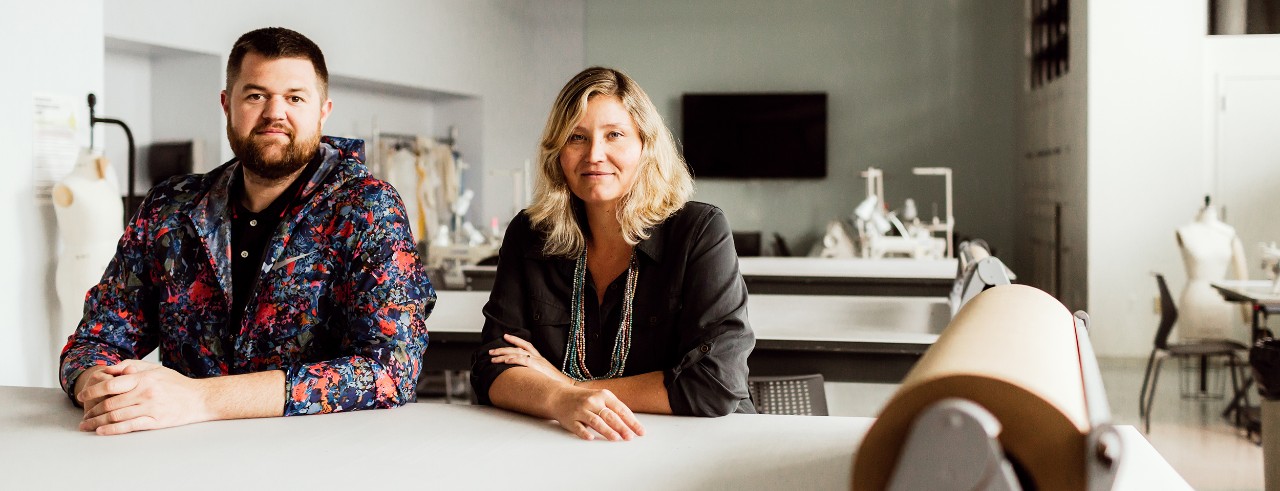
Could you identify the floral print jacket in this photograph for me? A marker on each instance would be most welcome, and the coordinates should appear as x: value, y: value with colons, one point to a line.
x: 340, y: 305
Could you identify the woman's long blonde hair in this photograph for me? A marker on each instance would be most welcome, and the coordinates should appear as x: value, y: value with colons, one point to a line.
x: 663, y: 184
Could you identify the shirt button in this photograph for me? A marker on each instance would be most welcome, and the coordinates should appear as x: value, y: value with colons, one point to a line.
x: 704, y: 348
x: 253, y: 223
x: 244, y: 253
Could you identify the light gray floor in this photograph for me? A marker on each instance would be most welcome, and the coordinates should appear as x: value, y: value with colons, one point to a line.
x: 1190, y: 434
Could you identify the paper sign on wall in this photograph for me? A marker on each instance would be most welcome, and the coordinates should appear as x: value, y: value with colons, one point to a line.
x: 54, y: 149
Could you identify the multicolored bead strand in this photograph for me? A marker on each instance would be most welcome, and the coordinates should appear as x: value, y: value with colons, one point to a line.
x: 575, y: 354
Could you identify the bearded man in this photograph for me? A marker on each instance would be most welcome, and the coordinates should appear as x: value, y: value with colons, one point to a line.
x: 284, y: 282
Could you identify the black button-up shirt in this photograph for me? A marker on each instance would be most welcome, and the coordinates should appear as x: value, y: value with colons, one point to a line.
x: 251, y: 233
x: 689, y: 317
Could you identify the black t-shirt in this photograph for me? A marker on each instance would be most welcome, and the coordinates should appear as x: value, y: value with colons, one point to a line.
x: 251, y: 233
x: 690, y: 311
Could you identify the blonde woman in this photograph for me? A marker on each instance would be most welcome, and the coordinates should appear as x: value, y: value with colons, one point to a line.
x: 614, y: 294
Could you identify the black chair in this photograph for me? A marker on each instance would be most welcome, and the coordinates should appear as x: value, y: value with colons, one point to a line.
x: 780, y: 246
x: 747, y: 244
x: 1204, y: 349
x: 798, y: 395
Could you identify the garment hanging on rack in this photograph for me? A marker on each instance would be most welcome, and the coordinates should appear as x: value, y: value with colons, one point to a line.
x: 425, y: 173
x: 443, y: 161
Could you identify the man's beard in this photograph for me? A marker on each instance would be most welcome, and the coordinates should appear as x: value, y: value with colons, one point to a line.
x: 252, y: 153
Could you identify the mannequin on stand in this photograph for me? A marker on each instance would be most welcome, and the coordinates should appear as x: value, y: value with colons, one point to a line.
x: 89, y: 211
x: 1210, y: 249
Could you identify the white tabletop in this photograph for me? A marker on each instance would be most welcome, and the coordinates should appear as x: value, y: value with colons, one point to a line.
x: 915, y: 320
x: 1256, y: 291
x: 936, y: 269
x: 437, y: 446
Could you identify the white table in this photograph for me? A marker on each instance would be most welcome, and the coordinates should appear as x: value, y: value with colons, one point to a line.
x: 1263, y: 303
x: 818, y: 276
x: 865, y: 339
x: 438, y: 446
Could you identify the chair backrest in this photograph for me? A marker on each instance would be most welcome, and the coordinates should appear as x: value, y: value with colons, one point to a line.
x: 802, y: 395
x: 780, y: 246
x: 1168, y: 314
x: 747, y: 244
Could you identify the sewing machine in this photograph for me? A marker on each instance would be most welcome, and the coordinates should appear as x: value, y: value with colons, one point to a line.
x: 1271, y: 265
x: 977, y: 271
x: 874, y: 223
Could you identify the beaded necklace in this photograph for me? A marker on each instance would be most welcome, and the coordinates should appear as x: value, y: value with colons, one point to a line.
x: 575, y: 355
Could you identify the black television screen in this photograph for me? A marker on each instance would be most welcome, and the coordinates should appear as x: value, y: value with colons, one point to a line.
x: 755, y: 135
x: 168, y: 159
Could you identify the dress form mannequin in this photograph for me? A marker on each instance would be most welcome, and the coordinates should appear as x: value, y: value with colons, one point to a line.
x: 88, y: 207
x: 1210, y: 249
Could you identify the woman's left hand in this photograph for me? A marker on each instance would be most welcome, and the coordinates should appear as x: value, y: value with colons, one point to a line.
x: 525, y: 355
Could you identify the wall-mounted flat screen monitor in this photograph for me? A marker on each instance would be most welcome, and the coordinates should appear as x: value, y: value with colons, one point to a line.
x: 168, y: 159
x: 775, y: 135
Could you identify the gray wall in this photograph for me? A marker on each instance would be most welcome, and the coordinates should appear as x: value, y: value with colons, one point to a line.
x: 912, y: 83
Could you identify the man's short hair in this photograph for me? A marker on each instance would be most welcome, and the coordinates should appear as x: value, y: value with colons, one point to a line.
x: 273, y: 43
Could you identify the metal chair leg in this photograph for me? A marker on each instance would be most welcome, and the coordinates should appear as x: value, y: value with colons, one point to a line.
x: 1146, y: 377
x: 448, y: 386
x: 1155, y: 379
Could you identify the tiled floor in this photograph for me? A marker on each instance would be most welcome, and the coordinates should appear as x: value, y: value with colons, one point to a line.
x: 1190, y: 434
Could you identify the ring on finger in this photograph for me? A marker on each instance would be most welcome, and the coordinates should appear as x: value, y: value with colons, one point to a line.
x: 600, y: 413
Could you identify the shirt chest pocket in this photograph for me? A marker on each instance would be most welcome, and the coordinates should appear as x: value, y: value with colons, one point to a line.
x: 544, y: 312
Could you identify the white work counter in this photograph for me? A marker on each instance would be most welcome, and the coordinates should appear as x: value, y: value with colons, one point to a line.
x: 865, y: 277
x: 438, y: 446
x: 864, y: 339
x: 817, y: 276
x: 934, y: 269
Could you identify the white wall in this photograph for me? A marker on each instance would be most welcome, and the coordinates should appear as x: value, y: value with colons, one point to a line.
x: 176, y: 79
x: 914, y: 83
x: 53, y: 47
x: 513, y: 55
x: 126, y: 96
x: 1146, y: 155
x: 1246, y: 194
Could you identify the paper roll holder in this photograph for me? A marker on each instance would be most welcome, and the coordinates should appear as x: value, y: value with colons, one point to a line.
x: 953, y: 443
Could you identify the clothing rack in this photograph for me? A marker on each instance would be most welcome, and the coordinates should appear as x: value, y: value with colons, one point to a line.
x: 128, y: 134
x: 373, y: 152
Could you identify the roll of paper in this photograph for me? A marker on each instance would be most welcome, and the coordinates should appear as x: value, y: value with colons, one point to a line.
x: 1013, y: 350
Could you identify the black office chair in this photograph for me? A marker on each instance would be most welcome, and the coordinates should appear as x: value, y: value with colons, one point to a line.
x: 747, y: 244
x: 798, y: 395
x: 780, y: 246
x: 1205, y: 349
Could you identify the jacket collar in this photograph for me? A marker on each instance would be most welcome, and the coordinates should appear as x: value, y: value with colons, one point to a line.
x: 342, y: 161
